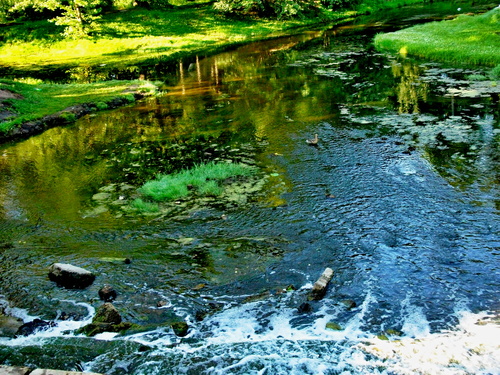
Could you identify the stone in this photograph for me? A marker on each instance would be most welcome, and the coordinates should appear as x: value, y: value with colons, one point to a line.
x: 107, y: 313
x: 59, y: 372
x: 304, y: 308
x: 333, y: 326
x: 8, y: 370
x: 107, y: 293
x: 69, y: 276
x: 349, y: 303
x: 106, y: 319
x: 180, y: 328
x: 9, y: 326
x: 34, y: 326
x: 319, y: 288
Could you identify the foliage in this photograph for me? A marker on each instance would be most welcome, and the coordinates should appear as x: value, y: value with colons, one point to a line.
x: 284, y: 9
x: 466, y: 39
x: 154, y: 4
x: 205, y: 179
x: 77, y: 16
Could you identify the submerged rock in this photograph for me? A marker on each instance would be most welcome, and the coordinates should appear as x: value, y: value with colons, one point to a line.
x: 107, y: 293
x: 70, y: 276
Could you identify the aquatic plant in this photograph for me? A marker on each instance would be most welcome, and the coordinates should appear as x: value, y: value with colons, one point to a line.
x: 204, y: 179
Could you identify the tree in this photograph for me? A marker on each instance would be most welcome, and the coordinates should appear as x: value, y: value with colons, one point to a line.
x: 79, y: 16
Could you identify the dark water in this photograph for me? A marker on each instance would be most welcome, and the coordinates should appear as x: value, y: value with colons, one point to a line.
x: 400, y: 198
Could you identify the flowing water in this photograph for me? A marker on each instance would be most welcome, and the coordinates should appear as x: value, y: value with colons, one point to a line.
x: 400, y: 198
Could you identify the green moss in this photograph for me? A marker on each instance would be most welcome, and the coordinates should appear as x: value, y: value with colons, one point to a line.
x: 467, y: 39
x: 334, y: 326
x: 204, y: 179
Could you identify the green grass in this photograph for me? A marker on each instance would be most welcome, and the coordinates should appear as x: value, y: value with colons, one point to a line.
x: 204, y: 179
x: 135, y: 35
x: 143, y: 206
x: 472, y: 40
x: 42, y: 99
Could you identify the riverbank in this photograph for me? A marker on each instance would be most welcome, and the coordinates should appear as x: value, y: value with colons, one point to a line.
x: 467, y: 39
x: 30, y: 106
x: 137, y: 35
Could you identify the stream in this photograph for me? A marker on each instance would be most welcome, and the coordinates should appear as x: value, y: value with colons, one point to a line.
x: 400, y: 197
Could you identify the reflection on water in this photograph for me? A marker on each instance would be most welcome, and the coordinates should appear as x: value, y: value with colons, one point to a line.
x: 399, y: 197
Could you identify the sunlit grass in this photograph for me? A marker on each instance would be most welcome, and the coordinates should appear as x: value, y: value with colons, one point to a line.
x: 465, y: 40
x: 136, y: 35
x: 41, y: 99
x: 204, y: 179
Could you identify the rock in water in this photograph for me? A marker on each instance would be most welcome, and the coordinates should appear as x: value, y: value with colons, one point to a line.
x: 319, y: 288
x: 33, y: 327
x: 70, y: 276
x: 107, y: 314
x: 107, y: 293
x: 106, y: 319
x: 180, y: 328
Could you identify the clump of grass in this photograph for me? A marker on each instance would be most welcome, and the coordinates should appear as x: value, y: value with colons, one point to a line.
x: 204, y: 179
x: 144, y: 206
x: 467, y: 39
x: 495, y: 72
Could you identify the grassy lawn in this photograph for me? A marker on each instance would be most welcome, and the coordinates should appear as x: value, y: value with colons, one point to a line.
x: 135, y: 35
x: 42, y: 99
x: 472, y: 40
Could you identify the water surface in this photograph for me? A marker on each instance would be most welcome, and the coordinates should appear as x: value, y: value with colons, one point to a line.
x: 400, y: 198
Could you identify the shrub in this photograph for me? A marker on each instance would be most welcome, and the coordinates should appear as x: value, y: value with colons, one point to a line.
x: 268, y: 8
x: 101, y: 106
x: 68, y: 116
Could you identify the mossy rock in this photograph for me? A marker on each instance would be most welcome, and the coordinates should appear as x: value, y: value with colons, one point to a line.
x: 180, y: 328
x: 93, y: 329
x: 334, y: 326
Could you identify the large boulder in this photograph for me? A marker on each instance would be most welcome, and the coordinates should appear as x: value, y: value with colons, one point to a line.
x: 70, y: 276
